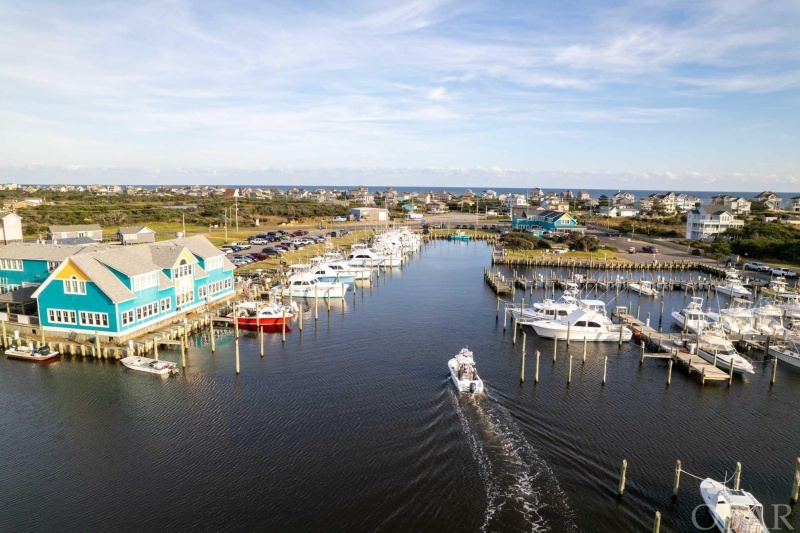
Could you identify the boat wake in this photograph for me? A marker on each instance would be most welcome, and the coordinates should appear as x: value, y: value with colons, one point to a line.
x: 522, y: 493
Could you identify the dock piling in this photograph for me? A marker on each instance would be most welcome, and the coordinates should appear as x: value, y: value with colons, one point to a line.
x: 796, y: 485
x: 584, y: 349
x: 522, y: 369
x: 536, y: 379
x: 657, y: 523
x: 555, y: 349
x: 605, y: 367
x: 737, y: 476
x: 622, y: 475
x: 569, y: 371
x: 677, y: 483
x: 774, y: 371
x: 669, y: 372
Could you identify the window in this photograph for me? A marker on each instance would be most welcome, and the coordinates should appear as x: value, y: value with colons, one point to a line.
x: 11, y: 264
x: 183, y: 270
x: 145, y: 281
x: 213, y: 263
x: 184, y: 298
x: 61, y: 316
x: 146, y: 311
x: 219, y: 286
x: 201, y: 292
x: 74, y: 286
x: 127, y: 317
x: 89, y: 318
x: 52, y: 265
x: 166, y: 305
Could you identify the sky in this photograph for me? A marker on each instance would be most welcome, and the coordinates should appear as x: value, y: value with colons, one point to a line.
x: 646, y: 94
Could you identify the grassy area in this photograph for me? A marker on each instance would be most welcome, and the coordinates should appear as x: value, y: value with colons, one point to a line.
x: 598, y: 255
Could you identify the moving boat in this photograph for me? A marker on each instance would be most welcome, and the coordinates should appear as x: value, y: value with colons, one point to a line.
x: 733, y: 285
x: 152, y: 366
x: 714, y: 347
x: 692, y: 317
x: 463, y: 372
x: 29, y: 353
x: 739, y: 508
x: 643, y: 287
x: 589, y: 322
x: 263, y: 314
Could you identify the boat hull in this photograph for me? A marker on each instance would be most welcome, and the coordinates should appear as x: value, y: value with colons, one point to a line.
x: 149, y: 366
x: 548, y: 331
x: 264, y: 321
x: 724, y: 363
x: 788, y: 356
x: 28, y: 356
x: 473, y: 386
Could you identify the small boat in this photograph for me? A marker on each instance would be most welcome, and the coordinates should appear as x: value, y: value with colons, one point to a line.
x: 692, y: 317
x: 714, y: 347
x: 459, y: 235
x: 643, y: 287
x: 29, y: 353
x: 264, y: 314
x: 152, y: 366
x: 733, y: 285
x: 464, y: 374
x: 306, y: 285
x: 589, y: 322
x: 738, y: 508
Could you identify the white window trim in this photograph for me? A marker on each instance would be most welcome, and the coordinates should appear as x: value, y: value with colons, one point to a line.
x: 98, y: 320
x: 67, y: 313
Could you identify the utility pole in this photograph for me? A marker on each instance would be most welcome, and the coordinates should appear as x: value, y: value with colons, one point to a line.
x: 226, y: 225
x: 236, y: 200
x: 183, y: 218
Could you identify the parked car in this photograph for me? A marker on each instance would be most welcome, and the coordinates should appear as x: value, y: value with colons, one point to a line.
x: 758, y: 267
x: 340, y: 219
x: 613, y: 234
x: 227, y: 249
x: 283, y: 247
x: 648, y: 249
x: 273, y: 252
x: 785, y: 272
x: 697, y: 251
x: 300, y: 233
x: 343, y: 231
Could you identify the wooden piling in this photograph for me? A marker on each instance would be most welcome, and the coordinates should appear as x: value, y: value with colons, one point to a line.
x: 555, y: 349
x: 677, y: 483
x: 657, y: 523
x: 622, y: 474
x: 620, y: 335
x: 569, y: 330
x: 283, y: 325
x: 183, y: 353
x: 641, y: 358
x: 261, y: 339
x: 605, y: 367
x: 584, y: 349
x: 669, y: 372
x: 796, y: 486
x: 236, y: 344
x: 774, y: 371
x: 514, y: 325
x: 211, y: 332
x: 536, y: 375
x: 737, y: 476
x: 730, y: 375
x: 569, y: 371
x: 522, y: 368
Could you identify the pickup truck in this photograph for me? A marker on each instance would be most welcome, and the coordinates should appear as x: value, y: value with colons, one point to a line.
x: 339, y: 219
x: 758, y: 267
x: 785, y: 272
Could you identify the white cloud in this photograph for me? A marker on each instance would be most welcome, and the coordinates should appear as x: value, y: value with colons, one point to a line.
x: 437, y: 93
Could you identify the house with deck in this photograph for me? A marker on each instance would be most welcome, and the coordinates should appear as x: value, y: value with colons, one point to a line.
x: 705, y: 222
x: 92, y: 231
x: 135, y: 235
x: 121, y: 291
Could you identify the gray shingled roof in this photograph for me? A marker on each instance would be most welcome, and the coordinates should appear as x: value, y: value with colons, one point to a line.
x: 107, y: 282
x: 40, y: 252
x: 199, y: 246
x: 131, y: 230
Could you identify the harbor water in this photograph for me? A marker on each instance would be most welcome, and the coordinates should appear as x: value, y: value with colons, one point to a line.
x: 354, y: 425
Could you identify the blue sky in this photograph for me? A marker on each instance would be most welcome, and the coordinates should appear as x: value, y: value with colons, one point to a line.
x: 693, y: 95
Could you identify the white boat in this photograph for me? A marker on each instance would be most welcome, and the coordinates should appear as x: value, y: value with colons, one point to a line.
x: 714, y: 347
x: 789, y: 300
x: 306, y: 285
x: 738, y: 508
x: 463, y: 372
x: 544, y: 310
x: 733, y: 285
x: 335, y: 261
x: 692, y: 317
x: 29, y: 353
x: 589, y: 322
x: 736, y: 319
x: 643, y: 287
x: 768, y: 317
x: 152, y: 366
x: 787, y: 351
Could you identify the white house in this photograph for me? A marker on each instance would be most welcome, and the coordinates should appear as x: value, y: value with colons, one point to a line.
x: 704, y: 222
x: 10, y: 227
x: 618, y: 211
x: 794, y: 204
x: 514, y: 199
x: 372, y: 214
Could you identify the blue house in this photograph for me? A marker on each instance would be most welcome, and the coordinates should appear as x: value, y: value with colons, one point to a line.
x: 29, y: 264
x: 121, y: 291
x: 541, y: 220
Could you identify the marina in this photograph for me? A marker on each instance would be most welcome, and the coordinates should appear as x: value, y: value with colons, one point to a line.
x: 515, y: 453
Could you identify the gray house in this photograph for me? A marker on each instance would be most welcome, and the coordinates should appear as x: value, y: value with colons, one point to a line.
x: 135, y: 235
x: 10, y: 227
x: 92, y: 231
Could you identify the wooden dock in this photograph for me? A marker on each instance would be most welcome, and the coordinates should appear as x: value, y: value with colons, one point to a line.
x: 499, y: 283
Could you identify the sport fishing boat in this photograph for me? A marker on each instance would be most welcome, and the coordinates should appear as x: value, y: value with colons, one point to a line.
x: 692, y: 317
x: 261, y: 314
x: 306, y: 285
x: 459, y: 235
x: 788, y: 299
x: 29, y: 353
x: 733, y: 285
x: 714, y: 347
x: 326, y: 273
x: 768, y: 317
x: 151, y: 366
x: 788, y: 351
x: 738, y: 509
x: 544, y: 310
x: 737, y: 319
x: 589, y: 322
x: 463, y: 372
x: 643, y: 287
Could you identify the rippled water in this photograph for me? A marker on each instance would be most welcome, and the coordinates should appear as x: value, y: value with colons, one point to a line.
x: 353, y: 425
